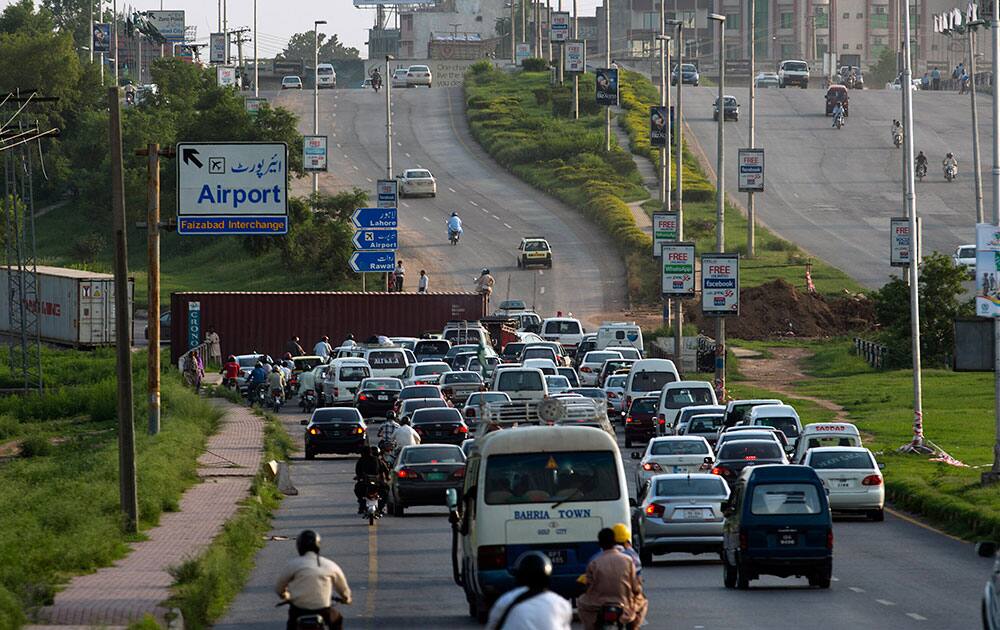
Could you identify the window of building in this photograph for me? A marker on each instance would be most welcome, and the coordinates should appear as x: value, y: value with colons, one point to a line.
x: 822, y: 18
x: 787, y: 19
x: 846, y: 46
x: 858, y: 47
x: 847, y: 16
x: 821, y: 49
x: 732, y: 21
x: 651, y: 21
x: 859, y: 15
x: 880, y: 17
x: 789, y: 51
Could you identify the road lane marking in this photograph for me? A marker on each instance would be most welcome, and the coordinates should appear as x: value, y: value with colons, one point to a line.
x: 885, y: 602
x: 346, y: 157
x: 372, y: 574
x: 426, y: 219
x: 541, y: 273
x: 542, y: 291
x: 496, y: 217
x: 407, y: 155
x: 338, y: 145
x: 355, y: 167
x: 399, y: 144
x: 856, y: 589
x: 474, y: 203
x: 451, y: 189
x: 369, y: 179
x: 834, y: 579
x: 507, y: 226
x: 916, y: 617
x: 913, y: 521
x: 486, y: 211
x: 405, y: 205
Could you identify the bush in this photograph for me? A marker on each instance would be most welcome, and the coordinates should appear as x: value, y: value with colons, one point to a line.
x: 481, y: 67
x: 36, y: 446
x: 542, y: 95
x: 534, y: 64
x: 9, y: 427
x: 11, y: 616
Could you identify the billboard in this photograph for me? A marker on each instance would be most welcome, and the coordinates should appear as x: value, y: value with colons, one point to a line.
x: 659, y: 124
x: 720, y: 284
x: 606, y: 85
x: 217, y: 48
x: 899, y: 242
x: 751, y: 163
x: 576, y: 56
x: 559, y: 31
x: 314, y: 153
x: 226, y: 76
x: 253, y: 104
x: 677, y: 267
x: 170, y: 24
x: 102, y: 38
x: 523, y: 51
x: 665, y: 229
x: 987, y: 270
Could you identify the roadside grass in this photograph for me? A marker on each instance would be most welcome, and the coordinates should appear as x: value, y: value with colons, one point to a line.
x: 59, y: 497
x: 67, y: 237
x: 204, y: 587
x: 958, y: 416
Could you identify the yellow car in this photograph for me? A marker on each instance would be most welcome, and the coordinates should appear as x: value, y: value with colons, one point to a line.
x: 534, y: 250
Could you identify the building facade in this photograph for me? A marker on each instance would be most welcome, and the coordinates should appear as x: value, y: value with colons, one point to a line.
x: 472, y: 19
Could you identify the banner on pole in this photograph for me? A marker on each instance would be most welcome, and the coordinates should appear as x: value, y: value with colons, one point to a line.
x: 217, y: 48
x: 314, y: 153
x: 900, y: 243
x: 987, y: 270
x: 606, y: 83
x: 751, y: 163
x: 523, y: 51
x: 102, y: 38
x: 677, y: 267
x: 665, y: 229
x: 720, y: 284
x: 576, y: 56
x: 559, y: 31
x: 659, y: 126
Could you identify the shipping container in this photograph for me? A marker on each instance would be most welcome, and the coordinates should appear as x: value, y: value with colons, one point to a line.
x: 75, y: 308
x: 264, y: 322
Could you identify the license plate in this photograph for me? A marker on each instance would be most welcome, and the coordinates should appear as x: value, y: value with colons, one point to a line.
x: 557, y: 556
x: 436, y: 476
x: 335, y: 433
x: 383, y: 397
x: 788, y: 539
x: 680, y: 469
x: 693, y: 514
x: 843, y: 483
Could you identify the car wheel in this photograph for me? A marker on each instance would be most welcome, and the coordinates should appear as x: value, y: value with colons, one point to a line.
x: 728, y: 573
x: 628, y: 442
x: 742, y: 575
x: 781, y: 84
x: 821, y: 579
x: 518, y: 263
x: 645, y: 556
x: 877, y: 515
x: 310, y: 454
x: 482, y: 610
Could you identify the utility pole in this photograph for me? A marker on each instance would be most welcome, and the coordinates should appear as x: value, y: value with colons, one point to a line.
x: 240, y: 39
x: 513, y: 44
x: 977, y: 170
x: 388, y: 119
x: 524, y: 22
x: 720, y: 207
x: 123, y: 325
x: 751, y: 211
x: 676, y: 130
x: 255, y: 58
x: 548, y: 20
x: 995, y: 26
x: 315, y: 176
x: 538, y: 27
x: 114, y: 15
x: 225, y: 29
x: 576, y: 75
x: 91, y: 46
x: 562, y: 47
x: 664, y: 40
x: 607, y: 64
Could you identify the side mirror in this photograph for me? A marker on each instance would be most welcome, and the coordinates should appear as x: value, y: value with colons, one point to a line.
x: 881, y: 466
x: 632, y: 503
x: 303, y: 422
x: 451, y: 498
x: 986, y: 549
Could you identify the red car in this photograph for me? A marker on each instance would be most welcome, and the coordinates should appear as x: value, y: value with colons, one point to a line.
x: 837, y: 94
x: 640, y: 420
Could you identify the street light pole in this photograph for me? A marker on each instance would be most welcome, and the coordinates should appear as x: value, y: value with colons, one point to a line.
x: 256, y: 60
x: 576, y: 75
x: 114, y: 15
x: 316, y: 24
x: 977, y: 171
x: 388, y: 119
x: 996, y: 215
x: 676, y: 130
x: 513, y: 45
x: 720, y: 206
x: 751, y: 210
x: 664, y: 41
x: 607, y: 64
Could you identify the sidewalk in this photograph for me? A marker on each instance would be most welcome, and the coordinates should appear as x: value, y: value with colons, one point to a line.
x: 650, y: 180
x: 138, y: 583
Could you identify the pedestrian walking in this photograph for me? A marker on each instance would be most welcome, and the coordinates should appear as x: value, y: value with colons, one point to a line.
x: 397, y: 277
x: 935, y: 78
x: 422, y: 282
x: 214, y: 347
x: 925, y: 81
x: 963, y: 83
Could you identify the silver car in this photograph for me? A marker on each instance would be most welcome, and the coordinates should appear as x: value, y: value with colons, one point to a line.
x: 672, y: 454
x: 680, y: 512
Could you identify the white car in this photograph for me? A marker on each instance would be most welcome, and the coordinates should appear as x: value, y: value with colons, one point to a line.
x: 853, y: 478
x: 680, y: 394
x: 557, y: 384
x: 291, y: 83
x: 417, y: 181
x: 590, y: 366
x: 566, y: 331
x: 766, y: 80
x: 399, y: 77
x: 672, y: 454
x: 793, y: 72
x: 614, y: 391
x: 965, y: 256
x: 897, y: 82
x: 418, y: 75
x: 426, y: 373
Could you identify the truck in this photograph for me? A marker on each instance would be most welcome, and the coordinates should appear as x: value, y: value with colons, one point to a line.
x: 74, y: 308
x: 264, y: 321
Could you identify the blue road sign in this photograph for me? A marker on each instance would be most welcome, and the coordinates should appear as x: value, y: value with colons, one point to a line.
x: 374, y: 218
x: 376, y: 239
x: 373, y: 261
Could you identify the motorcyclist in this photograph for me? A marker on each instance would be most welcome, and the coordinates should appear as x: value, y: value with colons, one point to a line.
x: 276, y: 381
x: 376, y: 79
x: 838, y: 113
x: 405, y: 435
x: 611, y: 579
x: 897, y: 129
x: 268, y: 364
x: 949, y: 161
x: 230, y: 370
x: 531, y: 604
x: 454, y: 225
x: 257, y: 378
x: 307, y: 381
x: 485, y: 282
x: 307, y: 582
x: 368, y: 468
x: 920, y: 162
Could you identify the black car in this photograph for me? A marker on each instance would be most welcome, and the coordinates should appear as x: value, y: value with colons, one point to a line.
x: 422, y: 475
x: 335, y: 430
x: 512, y: 351
x: 440, y: 425
x: 689, y: 75
x: 377, y: 396
x: 730, y: 108
x: 412, y: 392
x: 733, y: 457
x: 407, y: 407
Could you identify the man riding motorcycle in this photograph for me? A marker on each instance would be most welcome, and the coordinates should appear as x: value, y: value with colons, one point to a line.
x: 838, y: 114
x: 454, y: 227
x: 276, y: 383
x: 376, y: 79
x: 920, y: 164
x: 950, y: 163
x: 307, y: 582
x: 611, y: 580
x: 257, y: 378
x: 897, y: 132
x: 531, y: 604
x: 370, y: 468
x: 484, y: 283
x: 230, y: 371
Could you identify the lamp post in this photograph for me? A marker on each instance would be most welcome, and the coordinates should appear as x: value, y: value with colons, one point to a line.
x: 751, y: 211
x: 676, y: 131
x: 607, y: 64
x: 720, y: 206
x: 315, y: 90
x: 513, y: 45
x: 388, y: 118
x: 256, y: 60
x: 664, y: 41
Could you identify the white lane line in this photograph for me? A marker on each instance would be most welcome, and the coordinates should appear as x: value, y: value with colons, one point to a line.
x: 338, y: 145
x: 486, y: 211
x: 856, y: 589
x: 834, y: 579
x: 496, y: 217
x: 407, y: 155
x: 916, y: 617
x: 369, y: 179
x: 541, y: 273
x: 399, y: 144
x: 451, y: 189
x: 345, y: 157
x: 474, y: 203
x: 426, y: 219
x: 542, y: 290
x: 405, y: 205
x: 885, y: 602
x: 507, y: 226
x: 354, y: 167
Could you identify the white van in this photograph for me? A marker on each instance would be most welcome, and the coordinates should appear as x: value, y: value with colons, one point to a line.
x: 782, y: 417
x: 460, y: 332
x: 522, y: 384
x: 820, y: 434
x: 677, y: 395
x: 326, y: 76
x: 545, y: 365
x: 535, y: 488
x: 649, y: 375
x: 387, y: 361
x: 342, y: 380
x: 567, y: 331
x: 613, y: 334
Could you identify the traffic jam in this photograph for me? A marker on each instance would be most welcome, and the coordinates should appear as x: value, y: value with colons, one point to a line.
x: 535, y: 435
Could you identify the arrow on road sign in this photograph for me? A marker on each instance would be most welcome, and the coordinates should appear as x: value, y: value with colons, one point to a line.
x: 375, y: 239
x: 373, y: 261
x: 190, y: 157
x: 374, y: 218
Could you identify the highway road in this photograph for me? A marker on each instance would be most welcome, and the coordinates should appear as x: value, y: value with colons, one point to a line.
x: 496, y: 208
x: 833, y: 192
x: 896, y: 574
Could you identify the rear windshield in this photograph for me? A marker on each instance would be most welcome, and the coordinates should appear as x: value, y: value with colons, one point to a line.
x: 643, y: 405
x: 457, y: 336
x: 785, y: 498
x: 557, y: 382
x: 321, y: 70
x: 418, y: 174
x: 513, y: 348
x: 432, y: 347
x: 651, y: 381
x: 409, y: 406
x: 336, y: 415
x: 354, y: 373
x: 589, y: 392
x: 461, y: 377
x: 384, y: 359
x: 616, y: 381
x: 420, y: 370
x: 739, y: 412
x: 832, y: 440
x: 788, y: 426
x: 704, y: 424
x: 437, y: 415
x: 419, y: 69
x: 249, y: 361
x: 679, y: 447
x: 433, y: 455
x: 691, y: 487
x: 796, y: 66
x: 573, y: 477
x: 539, y: 353
x: 562, y: 328
x: 853, y: 460
x: 517, y: 381
x: 383, y: 383
x: 487, y: 397
x: 967, y: 252
x: 680, y: 398
x: 420, y: 391
x: 750, y: 450
x: 601, y: 357
x: 630, y: 353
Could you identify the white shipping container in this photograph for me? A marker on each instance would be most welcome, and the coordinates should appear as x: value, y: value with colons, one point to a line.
x: 75, y: 308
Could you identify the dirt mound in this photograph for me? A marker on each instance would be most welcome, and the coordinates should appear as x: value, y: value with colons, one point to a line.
x: 777, y: 309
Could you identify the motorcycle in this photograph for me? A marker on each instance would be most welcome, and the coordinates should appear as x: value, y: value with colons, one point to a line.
x: 257, y: 395
x: 310, y: 621
x: 838, y: 121
x: 611, y: 616
x: 376, y: 84
x: 308, y: 401
x: 950, y: 172
x: 921, y: 171
x: 453, y: 236
x: 897, y: 138
x: 373, y: 503
x: 276, y: 399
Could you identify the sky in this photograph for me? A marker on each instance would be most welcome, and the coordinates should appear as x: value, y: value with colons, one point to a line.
x: 277, y: 20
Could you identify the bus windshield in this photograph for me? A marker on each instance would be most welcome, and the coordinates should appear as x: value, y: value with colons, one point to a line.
x: 554, y: 477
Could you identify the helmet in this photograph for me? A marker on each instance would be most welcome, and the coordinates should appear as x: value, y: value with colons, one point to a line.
x: 533, y: 569
x: 325, y: 338
x: 374, y: 450
x: 622, y: 535
x: 950, y: 154
x: 350, y: 335
x: 231, y: 358
x: 404, y: 420
x: 485, y: 271
x: 288, y: 355
x: 454, y: 214
x: 308, y: 540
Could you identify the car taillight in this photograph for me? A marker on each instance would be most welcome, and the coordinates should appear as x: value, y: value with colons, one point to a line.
x: 491, y: 557
x: 744, y: 543
x: 651, y: 466
x: 406, y: 473
x: 362, y: 397
x: 628, y: 419
x: 461, y: 429
x: 586, y: 369
x: 459, y: 474
x: 655, y: 509
x: 872, y: 480
x: 359, y: 431
x: 829, y: 539
x: 720, y: 470
x: 314, y: 431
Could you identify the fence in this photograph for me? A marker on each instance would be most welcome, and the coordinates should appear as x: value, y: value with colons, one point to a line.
x: 873, y: 353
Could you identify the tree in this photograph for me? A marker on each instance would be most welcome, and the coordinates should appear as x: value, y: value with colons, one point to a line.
x: 21, y: 17
x: 884, y: 70
x: 302, y: 46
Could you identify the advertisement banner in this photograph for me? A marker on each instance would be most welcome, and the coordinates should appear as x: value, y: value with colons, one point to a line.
x: 659, y: 126
x: 170, y: 24
x: 102, y: 38
x: 314, y: 153
x: 387, y: 192
x: 523, y: 51
x: 751, y: 163
x: 226, y: 75
x: 217, y: 48
x: 194, y: 325
x: 559, y: 30
x: 665, y: 229
x: 677, y: 265
x: 576, y: 56
x: 720, y: 284
x: 606, y: 83
x: 899, y: 242
x: 253, y: 104
x: 987, y: 270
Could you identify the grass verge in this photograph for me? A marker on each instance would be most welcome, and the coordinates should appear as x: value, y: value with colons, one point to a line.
x: 205, y: 586
x: 958, y: 417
